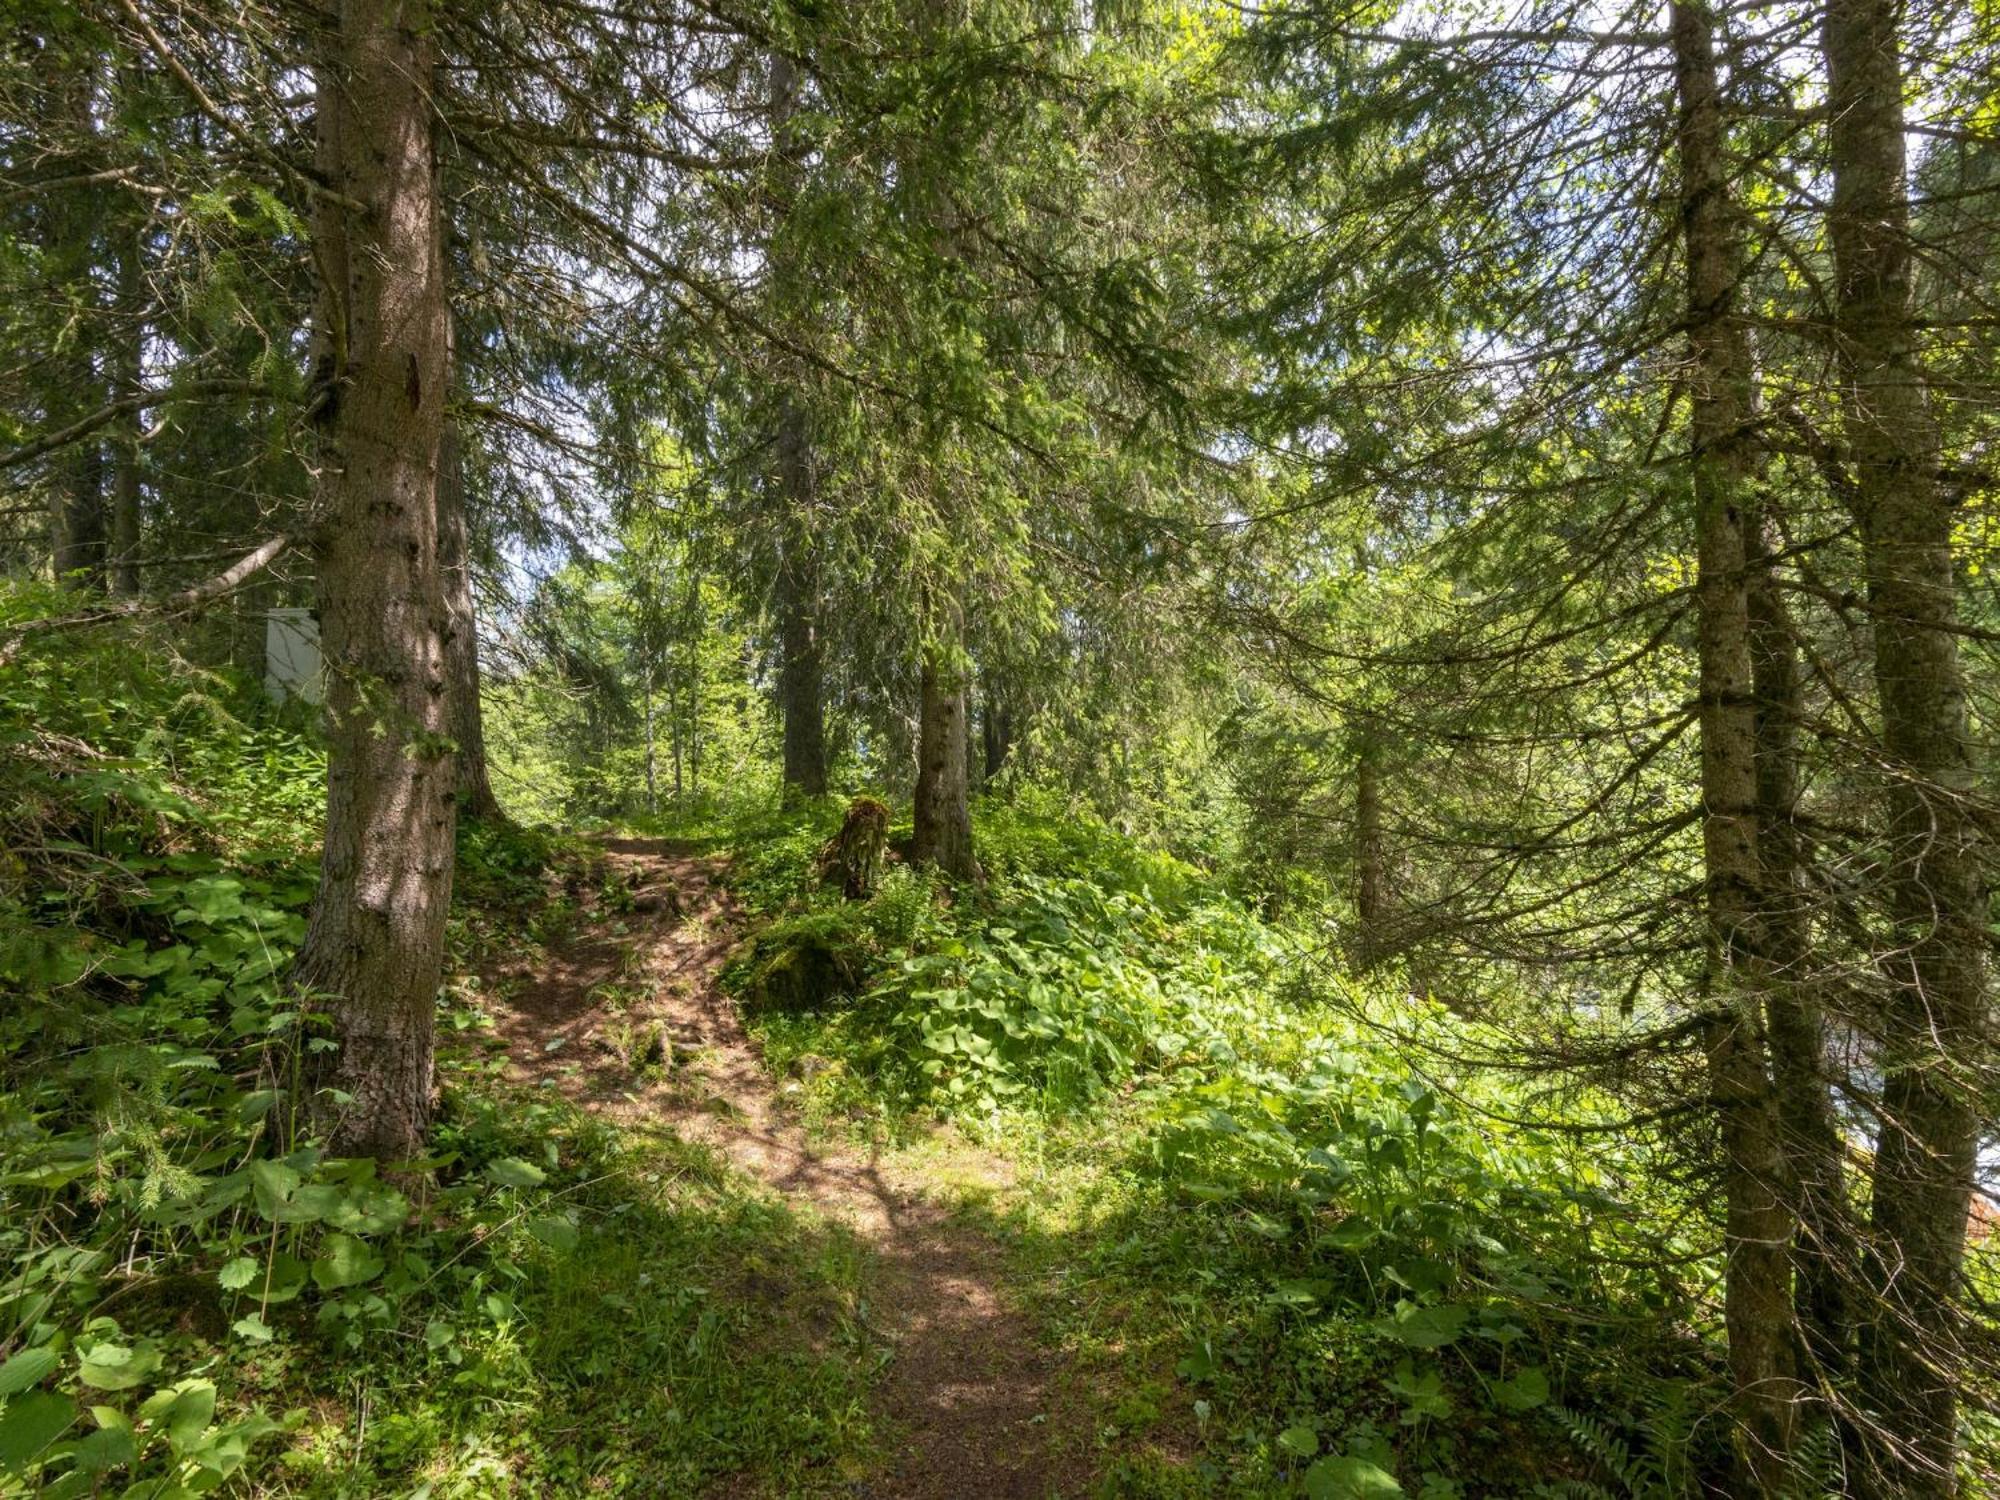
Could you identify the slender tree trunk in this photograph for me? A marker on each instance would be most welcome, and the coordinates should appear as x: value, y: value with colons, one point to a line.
x: 461, y: 641
x: 1823, y: 1258
x: 1934, y: 1026
x: 374, y: 944
x: 1757, y: 1228
x: 942, y: 835
x: 128, y: 374
x: 975, y: 761
x: 694, y: 722
x: 250, y: 627
x: 652, y: 778
x: 1371, y: 873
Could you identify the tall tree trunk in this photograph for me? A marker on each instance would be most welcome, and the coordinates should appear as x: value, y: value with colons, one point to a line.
x: 1371, y: 874
x: 461, y: 641
x: 942, y: 835
x: 250, y: 627
x: 1823, y: 1258
x: 374, y: 946
x: 797, y: 596
x: 652, y: 771
x: 78, y: 518
x: 996, y: 732
x: 71, y: 251
x: 127, y: 376
x: 694, y: 724
x: 1757, y: 1228
x: 801, y: 665
x: 1934, y: 1023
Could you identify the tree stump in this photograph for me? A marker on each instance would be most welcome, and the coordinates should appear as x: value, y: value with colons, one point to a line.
x: 853, y: 856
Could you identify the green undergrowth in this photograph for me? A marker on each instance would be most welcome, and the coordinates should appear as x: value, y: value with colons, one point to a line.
x: 1299, y: 1255
x: 195, y: 1299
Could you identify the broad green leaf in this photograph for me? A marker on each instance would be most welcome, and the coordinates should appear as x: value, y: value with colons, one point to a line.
x: 1200, y: 1365
x: 189, y: 1415
x: 1298, y: 1293
x: 1299, y: 1440
x: 1353, y: 1233
x: 25, y: 1369
x: 117, y: 1367
x: 371, y: 1208
x: 1527, y: 1390
x: 556, y: 1233
x: 1350, y: 1479
x: 347, y: 1262
x: 108, y: 1448
x: 512, y: 1172
x: 313, y: 1203
x: 1426, y: 1327
x: 238, y: 1274
x: 274, y: 1183
x: 286, y: 1281
x: 1423, y: 1395
x: 29, y: 1423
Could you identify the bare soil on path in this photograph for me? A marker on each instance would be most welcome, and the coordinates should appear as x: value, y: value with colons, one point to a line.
x: 973, y: 1403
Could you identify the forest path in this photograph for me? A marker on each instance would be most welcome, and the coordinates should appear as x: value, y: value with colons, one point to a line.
x: 972, y: 1403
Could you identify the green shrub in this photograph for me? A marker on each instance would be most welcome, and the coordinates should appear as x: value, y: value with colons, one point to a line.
x: 180, y: 1267
x: 1354, y: 1268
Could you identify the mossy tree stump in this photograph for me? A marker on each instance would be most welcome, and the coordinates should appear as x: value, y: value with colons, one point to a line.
x: 853, y: 856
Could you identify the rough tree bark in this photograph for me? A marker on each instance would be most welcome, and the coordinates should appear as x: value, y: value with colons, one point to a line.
x: 801, y: 663
x: 461, y: 641
x: 1934, y: 1020
x: 78, y: 528
x: 374, y: 944
x: 127, y: 376
x: 78, y: 519
x: 1757, y: 1228
x: 249, y: 631
x: 652, y: 749
x: 1823, y: 1253
x: 1371, y: 875
x: 852, y: 858
x: 942, y: 835
x: 996, y: 733
x: 796, y: 597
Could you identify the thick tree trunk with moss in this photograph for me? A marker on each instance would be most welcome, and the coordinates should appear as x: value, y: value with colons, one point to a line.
x: 1757, y: 1227
x: 374, y: 945
x: 943, y: 824
x: 1933, y: 1031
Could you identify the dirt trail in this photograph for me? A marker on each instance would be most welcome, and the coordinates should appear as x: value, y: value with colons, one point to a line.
x: 970, y: 1398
